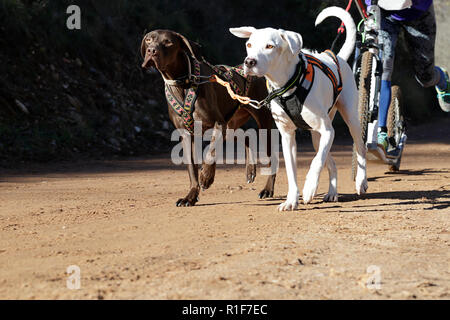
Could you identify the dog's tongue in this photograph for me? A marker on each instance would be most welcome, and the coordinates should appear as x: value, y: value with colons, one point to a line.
x: 146, y: 60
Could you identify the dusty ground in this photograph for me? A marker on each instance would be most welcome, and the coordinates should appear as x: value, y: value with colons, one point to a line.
x: 117, y: 221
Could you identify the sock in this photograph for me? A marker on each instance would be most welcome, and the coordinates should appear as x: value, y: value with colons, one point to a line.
x: 385, y: 101
x: 442, y: 84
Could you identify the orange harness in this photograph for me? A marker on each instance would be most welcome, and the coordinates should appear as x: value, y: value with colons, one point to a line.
x: 337, y: 83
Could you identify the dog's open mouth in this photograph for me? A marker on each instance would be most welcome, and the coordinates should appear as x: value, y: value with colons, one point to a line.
x: 146, y: 62
x: 149, y: 61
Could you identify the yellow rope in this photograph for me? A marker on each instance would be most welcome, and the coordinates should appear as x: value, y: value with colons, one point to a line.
x: 241, y: 99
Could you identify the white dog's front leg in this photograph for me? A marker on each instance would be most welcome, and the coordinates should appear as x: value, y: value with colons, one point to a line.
x: 312, y: 178
x: 332, y: 195
x: 290, y: 159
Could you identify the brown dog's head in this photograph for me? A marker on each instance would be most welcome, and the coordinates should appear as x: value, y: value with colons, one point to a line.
x: 161, y: 48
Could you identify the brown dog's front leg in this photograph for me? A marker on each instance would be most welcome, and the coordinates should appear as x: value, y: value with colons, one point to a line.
x: 192, y: 197
x: 266, y: 123
x: 207, y: 175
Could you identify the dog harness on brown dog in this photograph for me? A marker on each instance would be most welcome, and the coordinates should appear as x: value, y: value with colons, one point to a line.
x: 186, y: 109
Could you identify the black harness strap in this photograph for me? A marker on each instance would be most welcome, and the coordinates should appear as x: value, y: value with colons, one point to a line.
x: 292, y: 82
x: 293, y: 104
x: 303, y: 80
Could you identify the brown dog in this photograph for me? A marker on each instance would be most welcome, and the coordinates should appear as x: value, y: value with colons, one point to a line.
x: 171, y: 54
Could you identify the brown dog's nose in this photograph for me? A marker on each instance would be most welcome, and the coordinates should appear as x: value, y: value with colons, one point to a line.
x: 152, y: 51
x: 250, y: 62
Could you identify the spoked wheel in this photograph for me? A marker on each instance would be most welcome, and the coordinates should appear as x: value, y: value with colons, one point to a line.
x: 395, y: 122
x: 364, y: 86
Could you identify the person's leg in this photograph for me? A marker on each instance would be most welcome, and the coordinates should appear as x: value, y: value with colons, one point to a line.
x: 421, y: 37
x: 388, y: 38
x: 385, y: 101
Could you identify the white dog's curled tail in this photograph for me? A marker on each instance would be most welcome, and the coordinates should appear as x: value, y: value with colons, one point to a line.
x: 350, y: 38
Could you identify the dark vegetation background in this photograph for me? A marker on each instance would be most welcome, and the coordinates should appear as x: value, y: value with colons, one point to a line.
x: 68, y: 94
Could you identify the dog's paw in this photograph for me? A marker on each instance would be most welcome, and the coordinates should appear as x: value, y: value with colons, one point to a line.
x: 265, y: 194
x: 331, y: 197
x: 190, y: 200
x: 309, y: 191
x: 207, y: 174
x: 251, y: 173
x: 186, y: 202
x: 361, y: 186
x: 288, y: 205
x: 291, y: 202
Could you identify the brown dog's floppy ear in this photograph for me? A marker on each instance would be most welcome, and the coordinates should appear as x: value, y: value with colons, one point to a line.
x: 192, y: 47
x: 143, y: 47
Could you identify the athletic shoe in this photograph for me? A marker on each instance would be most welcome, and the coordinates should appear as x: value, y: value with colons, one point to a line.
x: 444, y: 96
x: 389, y: 150
x: 383, y: 141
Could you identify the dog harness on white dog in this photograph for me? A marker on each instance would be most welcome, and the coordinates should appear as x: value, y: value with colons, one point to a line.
x: 303, y: 80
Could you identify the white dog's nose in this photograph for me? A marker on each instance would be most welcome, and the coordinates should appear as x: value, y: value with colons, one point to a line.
x: 250, y: 62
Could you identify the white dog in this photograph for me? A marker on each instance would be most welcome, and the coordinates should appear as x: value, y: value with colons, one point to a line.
x: 277, y: 54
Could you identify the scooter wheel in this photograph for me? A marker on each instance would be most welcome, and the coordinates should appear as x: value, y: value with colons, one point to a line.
x: 395, y: 167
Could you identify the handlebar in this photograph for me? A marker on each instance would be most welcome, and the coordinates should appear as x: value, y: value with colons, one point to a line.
x: 372, y: 10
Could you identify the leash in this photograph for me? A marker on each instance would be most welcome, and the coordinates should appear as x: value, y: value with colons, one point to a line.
x: 302, y: 69
x: 228, y: 76
x: 274, y: 94
x: 185, y: 109
x: 233, y: 95
x: 302, y: 79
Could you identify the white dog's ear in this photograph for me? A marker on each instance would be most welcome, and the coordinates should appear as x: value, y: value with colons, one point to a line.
x: 242, y: 32
x: 293, y: 39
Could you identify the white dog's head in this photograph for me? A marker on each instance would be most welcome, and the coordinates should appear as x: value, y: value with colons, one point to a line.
x: 268, y: 49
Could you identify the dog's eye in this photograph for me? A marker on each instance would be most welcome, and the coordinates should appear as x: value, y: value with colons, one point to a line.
x: 269, y: 46
x: 249, y: 45
x: 167, y: 43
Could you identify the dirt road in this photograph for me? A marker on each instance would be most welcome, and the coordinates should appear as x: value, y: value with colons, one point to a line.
x: 117, y: 222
